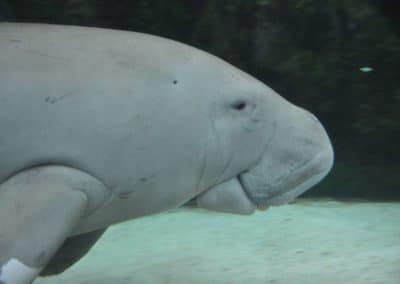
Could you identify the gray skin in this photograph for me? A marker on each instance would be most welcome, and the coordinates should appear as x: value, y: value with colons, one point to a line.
x: 101, y: 126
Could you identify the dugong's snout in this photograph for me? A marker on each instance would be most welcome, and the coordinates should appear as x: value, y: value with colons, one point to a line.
x: 297, y: 157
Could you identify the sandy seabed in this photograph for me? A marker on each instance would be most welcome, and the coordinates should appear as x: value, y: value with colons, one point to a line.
x: 311, y: 241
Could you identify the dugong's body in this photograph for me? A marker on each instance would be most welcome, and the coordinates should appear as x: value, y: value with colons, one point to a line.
x: 100, y: 126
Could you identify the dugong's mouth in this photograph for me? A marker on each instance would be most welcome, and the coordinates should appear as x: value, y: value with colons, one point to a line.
x: 264, y: 192
x: 247, y: 191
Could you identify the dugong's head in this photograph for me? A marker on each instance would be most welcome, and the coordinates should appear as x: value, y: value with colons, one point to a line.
x: 234, y: 145
x: 266, y: 151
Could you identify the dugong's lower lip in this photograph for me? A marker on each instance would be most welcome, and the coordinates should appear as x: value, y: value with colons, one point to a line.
x: 258, y: 206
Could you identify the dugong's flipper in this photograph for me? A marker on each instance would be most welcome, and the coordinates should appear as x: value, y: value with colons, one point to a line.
x: 39, y: 208
x: 73, y: 249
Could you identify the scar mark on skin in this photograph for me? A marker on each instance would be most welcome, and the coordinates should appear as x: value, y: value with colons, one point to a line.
x: 127, y: 194
x: 145, y: 179
x: 123, y: 195
x: 16, y: 41
x: 57, y: 99
x: 39, y: 53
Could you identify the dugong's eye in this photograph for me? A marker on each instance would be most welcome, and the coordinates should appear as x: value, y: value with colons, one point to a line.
x: 239, y: 105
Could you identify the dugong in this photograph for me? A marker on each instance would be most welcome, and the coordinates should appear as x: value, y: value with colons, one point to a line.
x: 100, y: 126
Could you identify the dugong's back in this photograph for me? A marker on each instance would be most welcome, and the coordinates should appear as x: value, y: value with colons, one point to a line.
x: 78, y: 97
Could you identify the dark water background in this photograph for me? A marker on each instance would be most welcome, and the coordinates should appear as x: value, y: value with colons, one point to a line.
x: 339, y: 59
